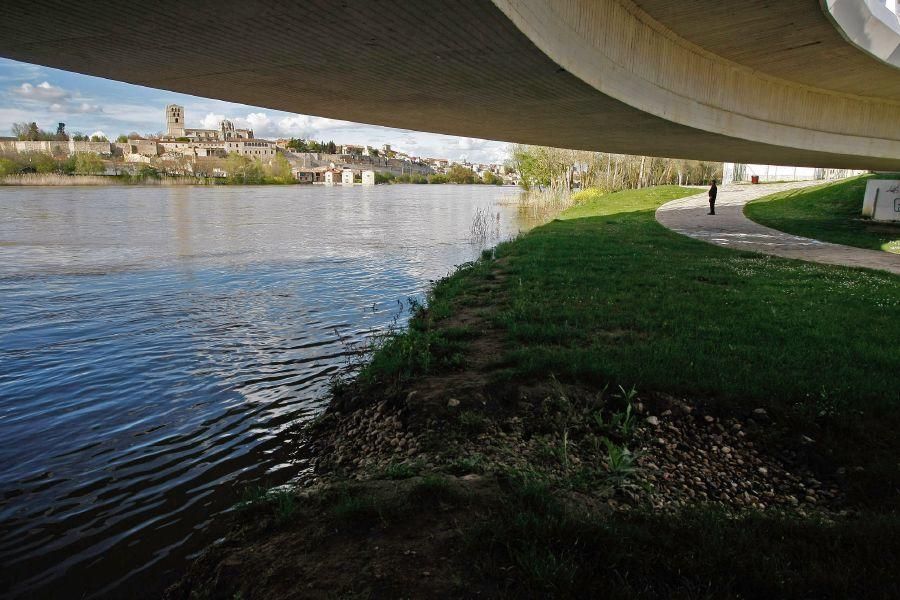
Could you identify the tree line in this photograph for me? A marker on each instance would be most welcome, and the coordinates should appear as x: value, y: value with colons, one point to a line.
x: 80, y: 163
x: 455, y: 174
x: 556, y: 169
x: 30, y: 132
x: 299, y: 145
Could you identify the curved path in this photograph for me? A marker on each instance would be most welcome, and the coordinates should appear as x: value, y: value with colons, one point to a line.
x: 729, y: 227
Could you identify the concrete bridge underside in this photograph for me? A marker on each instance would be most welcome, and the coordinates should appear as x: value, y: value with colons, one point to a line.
x: 750, y: 81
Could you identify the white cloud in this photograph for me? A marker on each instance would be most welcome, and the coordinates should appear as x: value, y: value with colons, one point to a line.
x: 211, y: 121
x: 84, y: 107
x: 42, y: 92
x: 55, y: 98
x: 264, y: 125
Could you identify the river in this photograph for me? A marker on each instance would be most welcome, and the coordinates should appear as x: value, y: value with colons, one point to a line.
x: 160, y: 347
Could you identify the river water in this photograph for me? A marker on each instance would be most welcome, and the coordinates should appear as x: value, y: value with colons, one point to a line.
x: 159, y: 347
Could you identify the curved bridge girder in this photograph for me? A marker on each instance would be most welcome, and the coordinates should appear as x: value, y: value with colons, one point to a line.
x: 630, y: 76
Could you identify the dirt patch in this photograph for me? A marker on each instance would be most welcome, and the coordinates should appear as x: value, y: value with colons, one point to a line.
x: 385, y: 539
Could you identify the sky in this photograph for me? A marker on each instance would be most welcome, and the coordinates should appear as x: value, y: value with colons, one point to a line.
x: 93, y: 105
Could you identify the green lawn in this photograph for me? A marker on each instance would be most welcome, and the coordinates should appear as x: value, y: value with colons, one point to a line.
x: 606, y: 295
x: 830, y: 213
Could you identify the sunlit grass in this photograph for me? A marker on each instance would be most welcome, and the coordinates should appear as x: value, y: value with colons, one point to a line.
x: 830, y: 212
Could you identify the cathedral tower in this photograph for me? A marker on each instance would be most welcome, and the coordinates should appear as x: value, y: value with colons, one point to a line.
x: 175, y: 120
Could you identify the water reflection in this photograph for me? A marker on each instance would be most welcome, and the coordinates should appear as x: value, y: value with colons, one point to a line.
x: 158, y: 348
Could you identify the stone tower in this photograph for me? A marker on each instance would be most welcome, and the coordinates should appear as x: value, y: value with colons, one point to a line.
x: 227, y: 129
x: 175, y: 120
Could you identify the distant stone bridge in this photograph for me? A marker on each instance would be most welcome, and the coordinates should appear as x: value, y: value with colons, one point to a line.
x: 797, y: 82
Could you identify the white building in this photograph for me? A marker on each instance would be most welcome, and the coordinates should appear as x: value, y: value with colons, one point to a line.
x: 331, y: 177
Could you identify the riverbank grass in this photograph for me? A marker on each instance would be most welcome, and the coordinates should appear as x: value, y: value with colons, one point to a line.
x: 522, y: 394
x: 605, y: 296
x: 830, y: 212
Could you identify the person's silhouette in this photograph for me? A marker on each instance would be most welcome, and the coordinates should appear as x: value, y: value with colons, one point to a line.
x: 713, y: 190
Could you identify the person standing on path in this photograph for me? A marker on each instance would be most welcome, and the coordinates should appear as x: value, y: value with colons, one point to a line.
x: 713, y: 190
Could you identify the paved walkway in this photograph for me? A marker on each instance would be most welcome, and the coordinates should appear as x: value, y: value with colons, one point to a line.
x: 729, y: 227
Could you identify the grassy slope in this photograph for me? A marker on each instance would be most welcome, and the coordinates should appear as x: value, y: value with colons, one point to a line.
x: 607, y: 295
x: 829, y: 213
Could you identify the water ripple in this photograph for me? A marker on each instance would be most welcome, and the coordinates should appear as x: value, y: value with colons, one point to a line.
x: 160, y: 347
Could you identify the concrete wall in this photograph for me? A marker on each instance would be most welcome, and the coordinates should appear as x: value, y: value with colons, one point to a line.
x: 882, y: 200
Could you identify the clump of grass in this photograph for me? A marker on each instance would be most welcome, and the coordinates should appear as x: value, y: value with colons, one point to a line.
x: 621, y: 463
x: 252, y: 496
x: 285, y: 505
x: 473, y: 422
x: 591, y: 479
x: 435, y: 489
x: 467, y: 465
x: 620, y: 423
x: 402, y: 470
x: 281, y: 501
x: 555, y: 451
x: 356, y: 510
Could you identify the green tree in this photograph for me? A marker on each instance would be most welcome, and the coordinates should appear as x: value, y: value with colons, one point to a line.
x: 241, y: 169
x: 67, y: 166
x: 42, y: 162
x: 460, y: 174
x: 88, y: 163
x: 8, y: 167
x: 122, y: 139
x: 148, y: 172
x: 298, y: 145
x: 34, y: 133
x: 437, y: 178
x: 490, y: 179
x: 279, y: 170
